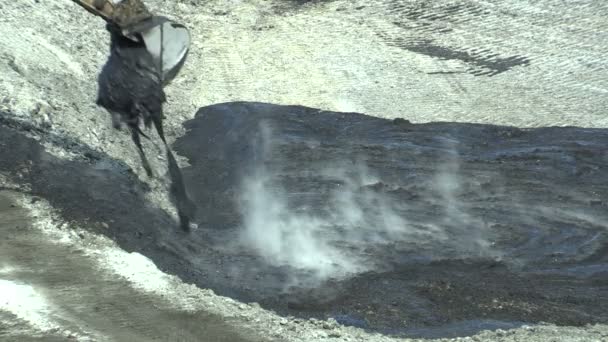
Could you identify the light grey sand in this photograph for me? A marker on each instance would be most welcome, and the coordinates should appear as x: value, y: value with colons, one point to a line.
x: 374, y: 57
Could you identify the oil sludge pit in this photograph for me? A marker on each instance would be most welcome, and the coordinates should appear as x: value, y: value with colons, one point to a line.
x: 430, y: 230
x: 439, y: 229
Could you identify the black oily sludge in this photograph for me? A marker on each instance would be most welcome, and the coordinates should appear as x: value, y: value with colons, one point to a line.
x: 503, y: 226
x: 522, y: 213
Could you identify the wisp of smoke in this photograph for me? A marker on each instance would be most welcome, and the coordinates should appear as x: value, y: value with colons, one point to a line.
x: 334, y: 243
x: 469, y: 230
x: 280, y: 235
x: 284, y: 237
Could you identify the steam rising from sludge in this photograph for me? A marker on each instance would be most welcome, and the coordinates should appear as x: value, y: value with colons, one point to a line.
x: 284, y: 237
x: 469, y: 231
x: 336, y: 242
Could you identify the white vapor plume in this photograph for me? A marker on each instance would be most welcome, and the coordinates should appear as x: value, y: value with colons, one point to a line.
x: 339, y: 240
x: 282, y: 236
x: 447, y: 184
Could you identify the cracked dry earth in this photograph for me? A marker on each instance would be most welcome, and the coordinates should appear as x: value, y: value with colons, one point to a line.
x: 419, y: 220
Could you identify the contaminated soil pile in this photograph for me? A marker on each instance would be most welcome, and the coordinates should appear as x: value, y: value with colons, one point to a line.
x: 360, y: 175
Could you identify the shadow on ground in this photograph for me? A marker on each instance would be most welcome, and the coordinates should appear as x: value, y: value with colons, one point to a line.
x: 439, y: 229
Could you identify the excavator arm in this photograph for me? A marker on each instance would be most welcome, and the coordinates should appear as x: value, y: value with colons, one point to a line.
x: 125, y: 14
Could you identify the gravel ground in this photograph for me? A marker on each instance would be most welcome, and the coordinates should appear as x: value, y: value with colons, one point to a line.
x: 527, y: 64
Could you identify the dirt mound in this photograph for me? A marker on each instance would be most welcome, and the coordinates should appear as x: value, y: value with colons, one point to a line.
x: 428, y: 230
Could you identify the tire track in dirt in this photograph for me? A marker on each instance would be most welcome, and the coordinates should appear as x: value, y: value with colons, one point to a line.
x: 507, y: 62
x: 551, y: 56
x: 80, y: 300
x: 422, y: 20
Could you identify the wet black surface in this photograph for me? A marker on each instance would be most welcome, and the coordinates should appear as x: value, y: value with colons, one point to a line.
x: 518, y: 217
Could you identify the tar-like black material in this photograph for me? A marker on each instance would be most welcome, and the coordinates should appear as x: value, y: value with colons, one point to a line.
x: 130, y: 88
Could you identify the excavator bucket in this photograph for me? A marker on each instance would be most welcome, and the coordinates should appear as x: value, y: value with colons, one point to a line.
x: 167, y: 41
